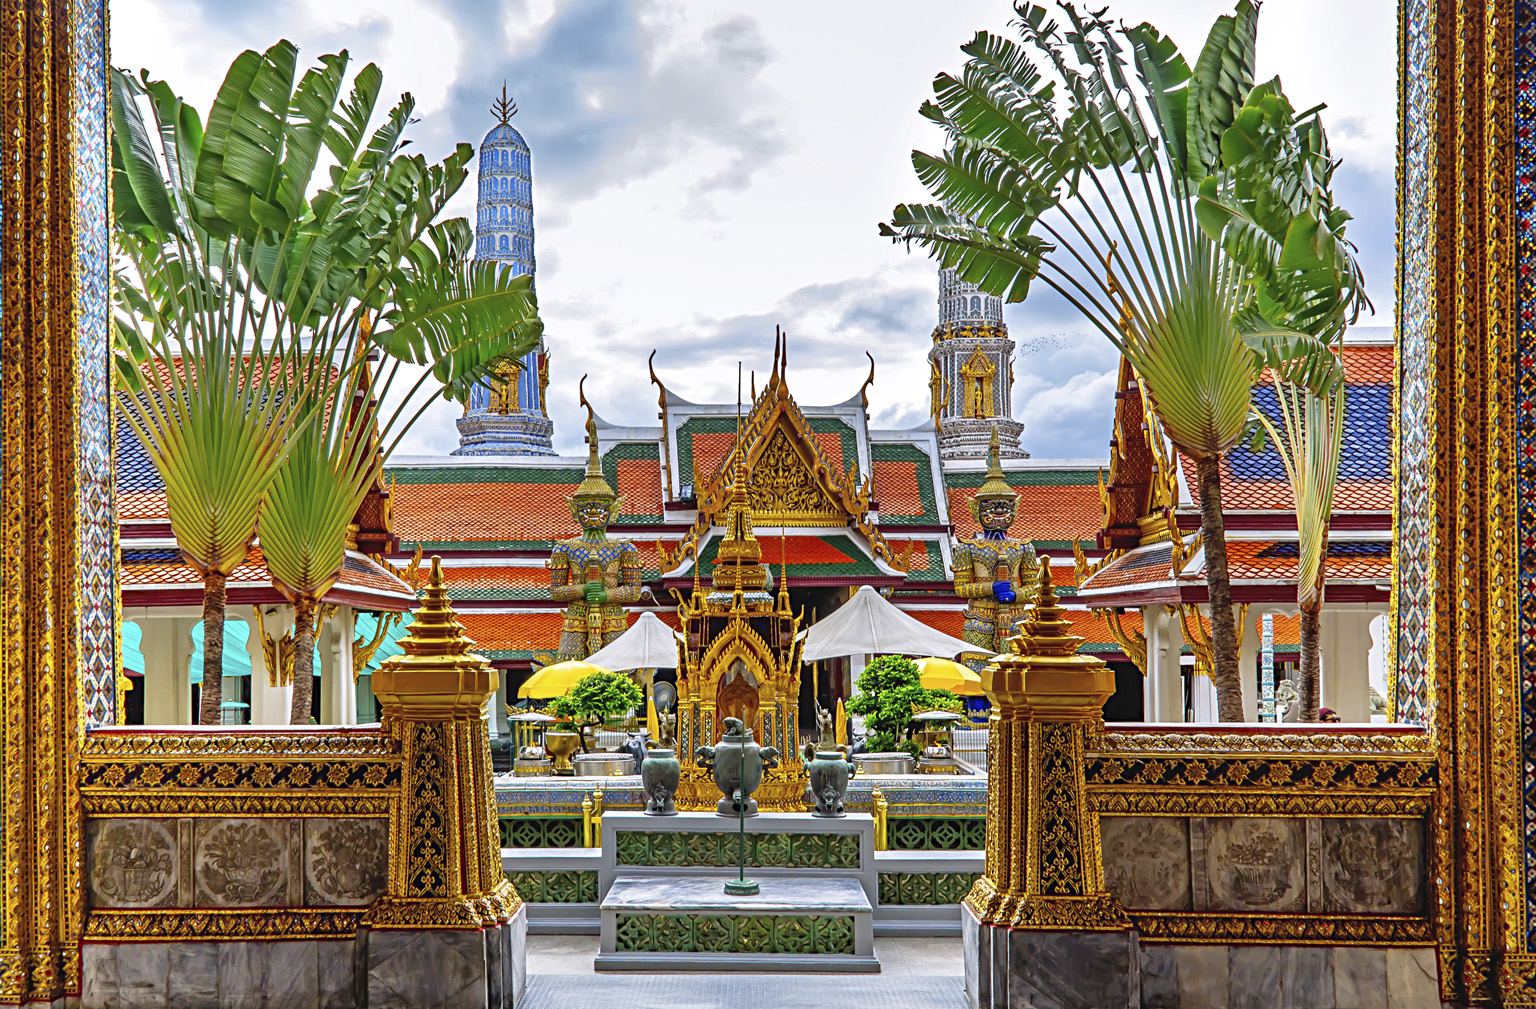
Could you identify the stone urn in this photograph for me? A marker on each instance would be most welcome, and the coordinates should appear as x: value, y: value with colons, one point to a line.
x: 560, y: 746
x: 659, y: 774
x: 829, y: 773
x: 737, y: 763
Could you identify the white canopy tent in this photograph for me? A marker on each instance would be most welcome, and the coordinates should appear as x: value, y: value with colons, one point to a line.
x: 649, y: 644
x: 868, y: 624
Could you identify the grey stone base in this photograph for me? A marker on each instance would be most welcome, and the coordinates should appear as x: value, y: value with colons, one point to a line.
x: 754, y: 963
x: 152, y: 975
x: 1031, y: 969
x: 442, y: 969
x: 1314, y: 977
x: 1087, y: 970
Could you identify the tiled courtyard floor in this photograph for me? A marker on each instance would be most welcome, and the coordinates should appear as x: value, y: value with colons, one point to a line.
x: 915, y: 974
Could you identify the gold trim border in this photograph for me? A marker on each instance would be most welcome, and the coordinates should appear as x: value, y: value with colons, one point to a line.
x: 214, y: 925
x: 1210, y: 802
x: 100, y: 803
x: 1287, y: 929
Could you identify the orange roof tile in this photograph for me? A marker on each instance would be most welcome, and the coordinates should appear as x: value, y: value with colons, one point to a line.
x: 142, y: 504
x: 1085, y: 623
x: 1050, y: 513
x: 466, y: 512
x: 831, y: 445
x: 640, y: 486
x: 508, y: 632
x: 896, y: 488
x: 709, y: 449
x: 496, y: 577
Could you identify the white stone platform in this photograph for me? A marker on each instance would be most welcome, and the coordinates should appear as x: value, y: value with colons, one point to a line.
x: 681, y: 920
x: 856, y: 831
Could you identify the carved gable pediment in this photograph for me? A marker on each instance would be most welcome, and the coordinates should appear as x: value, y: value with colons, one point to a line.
x: 784, y: 491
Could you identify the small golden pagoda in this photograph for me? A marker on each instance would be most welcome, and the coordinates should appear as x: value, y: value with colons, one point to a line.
x: 741, y: 660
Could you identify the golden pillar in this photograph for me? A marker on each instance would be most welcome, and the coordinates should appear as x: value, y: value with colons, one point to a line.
x: 1044, y: 867
x: 46, y: 205
x: 1042, y: 899
x: 445, y: 874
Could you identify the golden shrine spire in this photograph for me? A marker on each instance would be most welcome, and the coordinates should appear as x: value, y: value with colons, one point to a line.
x: 739, y: 561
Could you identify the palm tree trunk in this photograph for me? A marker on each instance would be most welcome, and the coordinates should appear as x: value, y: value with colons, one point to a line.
x: 303, y: 662
x: 1311, y: 660
x: 1226, y: 675
x: 210, y: 707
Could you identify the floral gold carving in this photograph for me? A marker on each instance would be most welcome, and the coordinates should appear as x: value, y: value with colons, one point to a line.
x: 1373, y: 865
x: 241, y: 863
x: 1146, y: 861
x: 346, y: 860
x: 133, y: 863
x: 1255, y: 863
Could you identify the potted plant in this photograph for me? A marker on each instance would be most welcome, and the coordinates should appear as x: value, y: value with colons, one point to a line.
x: 595, y: 698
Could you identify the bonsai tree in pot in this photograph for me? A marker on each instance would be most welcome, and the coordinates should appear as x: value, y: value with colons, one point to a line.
x: 596, y: 698
x: 890, y: 689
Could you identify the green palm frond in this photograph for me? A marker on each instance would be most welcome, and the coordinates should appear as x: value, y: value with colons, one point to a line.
x: 313, y: 498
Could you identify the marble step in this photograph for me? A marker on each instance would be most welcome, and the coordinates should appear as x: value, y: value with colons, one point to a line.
x: 689, y: 923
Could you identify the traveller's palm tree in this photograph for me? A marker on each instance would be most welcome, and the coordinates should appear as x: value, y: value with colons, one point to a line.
x: 1309, y: 435
x: 233, y: 249
x: 1085, y: 179
x: 1272, y: 208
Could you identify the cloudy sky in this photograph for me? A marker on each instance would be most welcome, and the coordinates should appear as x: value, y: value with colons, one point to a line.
x: 707, y: 169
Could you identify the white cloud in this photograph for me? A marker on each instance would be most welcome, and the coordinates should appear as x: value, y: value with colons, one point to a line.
x: 706, y: 169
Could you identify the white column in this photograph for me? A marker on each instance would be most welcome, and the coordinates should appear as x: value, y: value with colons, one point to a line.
x: 1379, y: 628
x: 1346, y: 644
x: 338, y: 697
x: 159, y: 685
x: 269, y: 705
x: 1248, y: 659
x: 181, y: 680
x: 1202, y: 691
x: 1164, y: 696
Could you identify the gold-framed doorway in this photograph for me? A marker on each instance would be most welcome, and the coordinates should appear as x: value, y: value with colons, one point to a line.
x: 1464, y: 594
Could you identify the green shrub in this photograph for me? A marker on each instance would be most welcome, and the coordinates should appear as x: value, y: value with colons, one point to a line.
x: 888, y: 688
x: 595, y: 698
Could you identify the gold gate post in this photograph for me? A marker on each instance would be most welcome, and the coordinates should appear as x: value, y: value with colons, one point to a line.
x: 1039, y: 921
x: 450, y: 928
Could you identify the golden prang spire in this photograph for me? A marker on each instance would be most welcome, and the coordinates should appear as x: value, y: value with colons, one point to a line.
x: 503, y: 108
x: 739, y: 561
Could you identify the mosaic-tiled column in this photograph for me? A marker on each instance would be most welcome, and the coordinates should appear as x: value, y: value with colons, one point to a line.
x: 57, y: 633
x: 1039, y: 927
x: 447, y: 901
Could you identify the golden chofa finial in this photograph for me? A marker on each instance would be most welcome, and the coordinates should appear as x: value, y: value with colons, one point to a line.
x: 503, y: 108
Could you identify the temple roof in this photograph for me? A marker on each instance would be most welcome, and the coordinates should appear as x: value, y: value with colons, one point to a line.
x: 1261, y: 570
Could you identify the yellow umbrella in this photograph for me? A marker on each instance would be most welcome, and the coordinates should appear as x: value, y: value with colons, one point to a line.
x: 946, y: 674
x: 558, y: 679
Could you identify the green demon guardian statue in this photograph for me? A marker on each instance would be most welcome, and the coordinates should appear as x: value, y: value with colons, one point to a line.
x: 996, y: 574
x: 594, y: 575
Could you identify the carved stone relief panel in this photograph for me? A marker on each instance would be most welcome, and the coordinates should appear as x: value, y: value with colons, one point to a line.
x: 346, y: 860
x: 1254, y: 863
x: 242, y: 863
x: 1373, y: 865
x: 1146, y: 861
x: 133, y: 863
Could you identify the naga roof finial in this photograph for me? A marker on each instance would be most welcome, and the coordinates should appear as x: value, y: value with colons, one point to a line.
x: 503, y: 108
